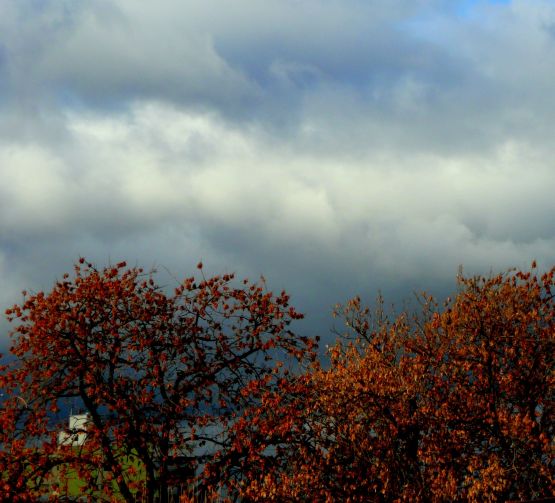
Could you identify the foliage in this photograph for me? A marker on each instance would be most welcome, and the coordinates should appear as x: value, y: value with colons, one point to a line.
x: 455, y: 403
x: 163, y: 377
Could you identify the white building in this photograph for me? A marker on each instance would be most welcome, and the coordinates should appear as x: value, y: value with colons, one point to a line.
x: 76, y: 434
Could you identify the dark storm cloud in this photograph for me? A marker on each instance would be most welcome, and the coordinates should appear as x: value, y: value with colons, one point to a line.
x: 335, y: 147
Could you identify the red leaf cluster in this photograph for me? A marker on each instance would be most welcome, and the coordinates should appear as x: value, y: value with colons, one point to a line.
x: 163, y: 378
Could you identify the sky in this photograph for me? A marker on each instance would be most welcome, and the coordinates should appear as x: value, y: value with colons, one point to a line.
x: 337, y: 147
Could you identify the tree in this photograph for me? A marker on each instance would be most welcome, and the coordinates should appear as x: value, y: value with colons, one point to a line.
x: 455, y: 403
x: 164, y: 378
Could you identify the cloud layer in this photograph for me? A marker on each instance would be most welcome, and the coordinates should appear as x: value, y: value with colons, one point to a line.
x: 336, y: 147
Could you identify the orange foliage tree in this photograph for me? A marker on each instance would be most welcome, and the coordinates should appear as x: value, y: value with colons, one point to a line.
x: 163, y: 378
x: 453, y: 404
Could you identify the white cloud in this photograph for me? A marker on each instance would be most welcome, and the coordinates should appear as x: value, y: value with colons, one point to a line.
x: 155, y: 165
x: 336, y: 147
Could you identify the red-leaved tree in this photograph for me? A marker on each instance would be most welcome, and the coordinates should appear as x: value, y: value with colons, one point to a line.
x: 163, y: 378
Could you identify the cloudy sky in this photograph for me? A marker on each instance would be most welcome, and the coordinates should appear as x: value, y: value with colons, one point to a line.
x: 335, y: 146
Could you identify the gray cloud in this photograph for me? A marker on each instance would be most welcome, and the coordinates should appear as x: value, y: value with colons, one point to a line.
x: 335, y: 147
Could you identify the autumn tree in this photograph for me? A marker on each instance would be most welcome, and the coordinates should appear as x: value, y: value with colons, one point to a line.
x: 452, y: 404
x: 164, y: 379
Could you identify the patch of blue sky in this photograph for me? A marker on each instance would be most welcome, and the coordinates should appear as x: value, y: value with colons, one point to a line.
x: 427, y: 24
x: 468, y: 7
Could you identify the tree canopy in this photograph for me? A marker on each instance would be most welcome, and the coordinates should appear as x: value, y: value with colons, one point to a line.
x: 454, y: 402
x: 162, y: 377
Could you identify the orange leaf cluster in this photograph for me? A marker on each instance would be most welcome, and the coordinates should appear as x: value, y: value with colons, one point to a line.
x: 450, y: 404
